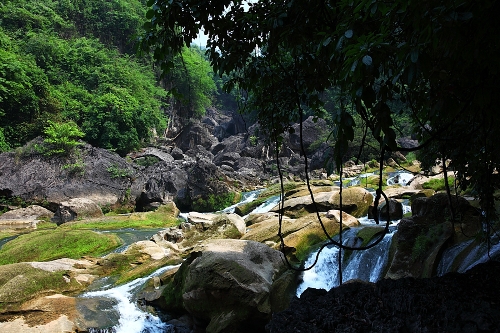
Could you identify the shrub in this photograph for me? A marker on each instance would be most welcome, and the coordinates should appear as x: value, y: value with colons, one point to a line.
x: 61, y: 138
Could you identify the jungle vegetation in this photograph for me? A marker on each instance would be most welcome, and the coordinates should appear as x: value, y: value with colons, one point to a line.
x: 75, y: 61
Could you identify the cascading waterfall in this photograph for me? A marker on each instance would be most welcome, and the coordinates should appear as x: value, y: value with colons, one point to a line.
x: 401, y: 178
x: 246, y: 197
x: 131, y: 318
x: 476, y: 254
x: 366, y: 265
x: 267, y: 205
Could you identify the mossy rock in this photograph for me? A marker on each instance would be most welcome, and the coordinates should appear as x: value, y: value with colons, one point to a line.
x: 422, y: 194
x: 246, y: 208
x: 311, y: 234
x: 21, y: 282
x: 368, y: 233
x: 355, y: 201
x: 304, y: 191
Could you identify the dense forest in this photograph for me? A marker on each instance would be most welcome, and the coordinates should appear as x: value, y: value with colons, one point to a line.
x: 75, y: 62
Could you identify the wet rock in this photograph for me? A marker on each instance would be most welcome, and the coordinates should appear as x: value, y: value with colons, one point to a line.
x: 99, y: 175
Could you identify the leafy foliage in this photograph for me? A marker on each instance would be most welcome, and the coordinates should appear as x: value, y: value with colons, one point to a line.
x: 191, y: 82
x: 64, y: 61
x: 61, y: 138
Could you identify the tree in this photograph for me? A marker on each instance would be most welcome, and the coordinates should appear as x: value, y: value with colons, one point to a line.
x: 61, y: 138
x: 437, y: 58
x: 191, y: 82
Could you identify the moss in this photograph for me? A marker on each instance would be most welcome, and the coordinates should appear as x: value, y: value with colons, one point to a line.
x: 437, y: 184
x: 276, y: 189
x: 165, y: 216
x: 246, y: 208
x: 20, y: 282
x: 173, y: 291
x: 303, y: 248
x: 368, y: 233
x: 213, y: 202
x: 54, y: 244
x: 425, y: 240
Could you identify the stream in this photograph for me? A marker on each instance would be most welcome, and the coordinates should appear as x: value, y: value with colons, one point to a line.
x: 132, y: 319
x: 118, y: 305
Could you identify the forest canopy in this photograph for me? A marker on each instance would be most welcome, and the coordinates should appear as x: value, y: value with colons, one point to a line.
x: 75, y: 61
x: 436, y: 61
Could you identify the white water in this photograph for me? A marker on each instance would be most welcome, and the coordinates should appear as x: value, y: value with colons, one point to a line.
x: 245, y: 198
x: 132, y: 319
x: 268, y: 204
x: 401, y: 178
x: 476, y: 255
x: 366, y: 265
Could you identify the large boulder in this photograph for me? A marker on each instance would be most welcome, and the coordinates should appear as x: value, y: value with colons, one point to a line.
x: 299, y: 235
x: 194, y: 134
x: 93, y: 173
x: 207, y: 189
x: 232, y: 285
x: 164, y: 183
x: 77, y: 208
x: 355, y: 201
x: 422, y: 237
x: 312, y: 129
x: 33, y: 211
x: 303, y: 205
x: 395, y: 210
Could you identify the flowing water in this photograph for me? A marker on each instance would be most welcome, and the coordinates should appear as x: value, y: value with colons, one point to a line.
x: 132, y: 319
x: 468, y: 254
x: 246, y: 197
x: 367, y: 265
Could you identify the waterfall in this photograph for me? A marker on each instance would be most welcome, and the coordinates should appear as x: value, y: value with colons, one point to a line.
x: 131, y: 318
x: 401, y: 178
x: 246, y: 197
x: 268, y: 204
x: 476, y: 254
x: 366, y: 265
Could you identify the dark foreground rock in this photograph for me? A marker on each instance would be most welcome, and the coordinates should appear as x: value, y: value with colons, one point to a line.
x: 452, y: 303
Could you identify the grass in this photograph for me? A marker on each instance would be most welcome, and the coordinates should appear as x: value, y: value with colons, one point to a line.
x: 47, y: 245
x: 437, y: 184
x: 276, y: 189
x: 163, y: 217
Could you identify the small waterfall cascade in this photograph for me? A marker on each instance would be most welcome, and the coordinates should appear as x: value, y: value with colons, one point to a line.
x: 131, y: 318
x: 246, y: 197
x: 470, y: 253
x: 267, y: 205
x: 401, y: 177
x: 366, y: 265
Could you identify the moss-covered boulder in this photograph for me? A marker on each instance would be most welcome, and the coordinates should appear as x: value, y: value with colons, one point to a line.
x: 355, y: 201
x: 421, y: 238
x: 311, y: 233
x: 422, y: 194
x: 300, y: 235
x: 296, y: 207
x: 232, y: 285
